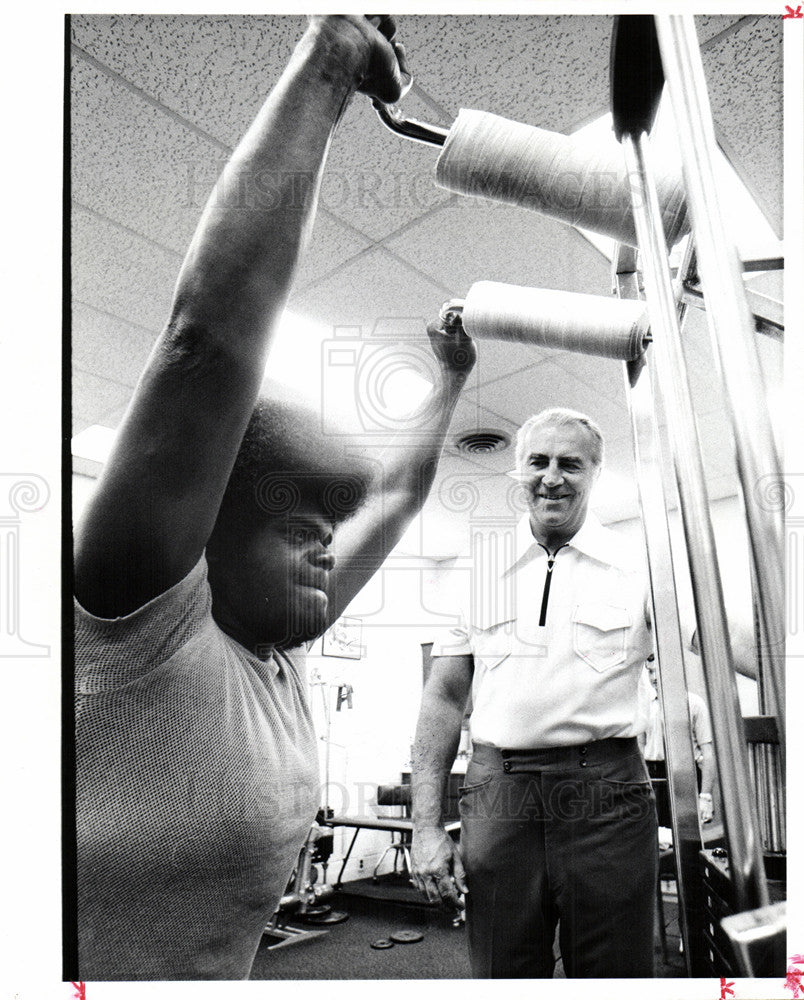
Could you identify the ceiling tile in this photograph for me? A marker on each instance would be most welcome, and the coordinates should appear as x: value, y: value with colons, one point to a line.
x: 136, y: 165
x: 473, y: 240
x: 94, y: 398
x: 375, y: 180
x: 214, y: 71
x: 507, y: 65
x: 744, y: 80
x: 108, y: 347
x: 119, y: 273
x: 372, y: 289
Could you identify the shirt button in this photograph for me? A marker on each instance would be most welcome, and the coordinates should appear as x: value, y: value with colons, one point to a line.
x: 584, y: 751
x: 507, y: 766
x: 584, y: 763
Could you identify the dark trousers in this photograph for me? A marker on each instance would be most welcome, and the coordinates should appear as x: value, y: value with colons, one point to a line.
x: 567, y: 836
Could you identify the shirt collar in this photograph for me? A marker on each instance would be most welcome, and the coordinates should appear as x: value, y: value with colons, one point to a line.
x: 592, y: 540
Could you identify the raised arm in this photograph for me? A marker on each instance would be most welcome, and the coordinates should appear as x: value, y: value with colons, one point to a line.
x: 437, y: 868
x: 160, y: 493
x: 408, y: 469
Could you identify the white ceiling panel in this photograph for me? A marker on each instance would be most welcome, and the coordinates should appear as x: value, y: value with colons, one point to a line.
x: 108, y: 347
x: 119, y: 272
x: 476, y: 240
x: 212, y: 71
x: 158, y: 101
x: 744, y: 78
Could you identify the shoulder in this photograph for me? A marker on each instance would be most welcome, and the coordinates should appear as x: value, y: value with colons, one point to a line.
x: 110, y: 652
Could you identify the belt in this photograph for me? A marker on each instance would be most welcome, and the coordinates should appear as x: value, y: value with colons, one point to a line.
x: 556, y: 758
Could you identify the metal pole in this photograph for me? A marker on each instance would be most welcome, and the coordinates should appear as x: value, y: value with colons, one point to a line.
x: 732, y: 330
x: 746, y: 861
x: 679, y: 757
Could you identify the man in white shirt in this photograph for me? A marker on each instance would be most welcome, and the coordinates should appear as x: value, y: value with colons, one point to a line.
x: 703, y: 750
x: 558, y: 817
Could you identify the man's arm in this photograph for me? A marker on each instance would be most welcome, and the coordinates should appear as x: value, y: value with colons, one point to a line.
x: 437, y: 868
x: 706, y: 808
x: 408, y: 469
x: 157, y: 501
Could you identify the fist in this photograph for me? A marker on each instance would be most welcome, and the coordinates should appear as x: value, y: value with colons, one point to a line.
x: 454, y: 349
x: 367, y: 44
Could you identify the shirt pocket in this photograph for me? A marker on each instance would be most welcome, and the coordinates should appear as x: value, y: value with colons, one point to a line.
x: 492, y: 646
x: 600, y: 634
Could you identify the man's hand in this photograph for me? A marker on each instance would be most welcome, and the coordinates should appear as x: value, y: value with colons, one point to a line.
x: 454, y: 350
x: 706, y: 809
x: 366, y: 45
x: 437, y: 868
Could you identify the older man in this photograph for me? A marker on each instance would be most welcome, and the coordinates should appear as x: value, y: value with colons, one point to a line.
x: 558, y: 816
x: 204, y: 565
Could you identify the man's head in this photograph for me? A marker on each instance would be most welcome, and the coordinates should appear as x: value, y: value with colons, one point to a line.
x: 269, y: 561
x: 559, y: 454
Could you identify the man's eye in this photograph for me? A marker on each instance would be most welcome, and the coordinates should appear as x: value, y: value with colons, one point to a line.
x: 300, y: 535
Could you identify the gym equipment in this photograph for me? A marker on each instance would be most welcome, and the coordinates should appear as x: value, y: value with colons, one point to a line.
x: 305, y: 901
x: 487, y: 156
x: 565, y: 321
x: 407, y: 937
x: 569, y: 178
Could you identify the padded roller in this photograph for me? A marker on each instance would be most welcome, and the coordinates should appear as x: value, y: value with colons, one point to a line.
x: 565, y: 321
x: 577, y: 180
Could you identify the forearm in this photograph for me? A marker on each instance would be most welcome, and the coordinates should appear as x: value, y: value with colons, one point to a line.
x: 707, y: 769
x: 409, y: 463
x: 237, y: 272
x: 437, y: 736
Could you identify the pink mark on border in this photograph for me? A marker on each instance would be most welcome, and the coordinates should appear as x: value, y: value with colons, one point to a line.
x: 792, y: 13
x: 794, y: 976
x: 80, y: 991
x: 726, y: 990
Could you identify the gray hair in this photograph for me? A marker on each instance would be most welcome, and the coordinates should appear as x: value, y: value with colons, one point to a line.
x: 558, y: 416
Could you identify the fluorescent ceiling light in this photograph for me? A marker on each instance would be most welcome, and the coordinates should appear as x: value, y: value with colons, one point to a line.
x: 94, y: 443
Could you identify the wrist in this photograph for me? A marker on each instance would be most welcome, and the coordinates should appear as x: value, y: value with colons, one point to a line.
x: 705, y: 795
x: 428, y: 826
x: 339, y: 56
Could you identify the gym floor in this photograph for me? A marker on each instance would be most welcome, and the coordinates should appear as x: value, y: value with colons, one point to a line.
x: 375, y: 912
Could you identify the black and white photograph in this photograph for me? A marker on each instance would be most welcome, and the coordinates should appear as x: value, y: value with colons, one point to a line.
x: 431, y: 534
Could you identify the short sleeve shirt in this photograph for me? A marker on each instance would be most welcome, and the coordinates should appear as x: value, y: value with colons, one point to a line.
x: 196, y: 785
x: 573, y: 678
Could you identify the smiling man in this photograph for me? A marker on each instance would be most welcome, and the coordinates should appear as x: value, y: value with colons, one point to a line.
x: 558, y: 820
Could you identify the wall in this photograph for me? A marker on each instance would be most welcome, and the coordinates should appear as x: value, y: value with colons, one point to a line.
x: 402, y: 607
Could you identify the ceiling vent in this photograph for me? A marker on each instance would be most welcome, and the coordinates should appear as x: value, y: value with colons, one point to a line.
x: 482, y: 442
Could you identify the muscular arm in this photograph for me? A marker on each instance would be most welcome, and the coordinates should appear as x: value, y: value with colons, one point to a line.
x: 159, y: 496
x: 408, y: 468
x: 435, y: 860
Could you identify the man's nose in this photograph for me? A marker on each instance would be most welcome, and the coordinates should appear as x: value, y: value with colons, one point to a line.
x: 552, y: 475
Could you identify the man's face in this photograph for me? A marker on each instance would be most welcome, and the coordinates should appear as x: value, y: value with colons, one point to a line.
x: 558, y: 472
x: 270, y: 582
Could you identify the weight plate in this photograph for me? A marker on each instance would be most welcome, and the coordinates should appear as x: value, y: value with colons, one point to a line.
x: 330, y: 917
x: 406, y: 937
x: 382, y: 943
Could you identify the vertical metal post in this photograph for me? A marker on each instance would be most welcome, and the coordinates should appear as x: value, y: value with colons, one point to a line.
x: 679, y: 757
x: 732, y: 331
x: 746, y: 860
